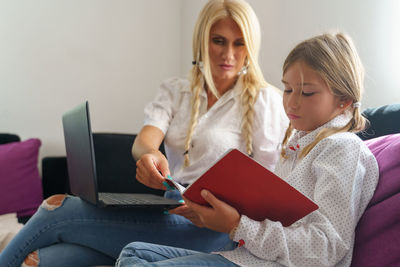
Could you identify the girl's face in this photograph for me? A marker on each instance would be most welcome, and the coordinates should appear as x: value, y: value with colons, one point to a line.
x: 307, y: 100
x: 227, y: 50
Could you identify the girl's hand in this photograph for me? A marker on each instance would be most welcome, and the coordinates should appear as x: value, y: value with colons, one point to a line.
x: 219, y: 217
x: 149, y: 167
x: 188, y: 213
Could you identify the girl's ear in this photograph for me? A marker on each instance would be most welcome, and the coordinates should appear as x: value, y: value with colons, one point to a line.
x: 344, y: 104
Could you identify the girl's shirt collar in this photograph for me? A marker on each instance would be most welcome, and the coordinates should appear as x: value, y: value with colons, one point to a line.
x: 301, y: 139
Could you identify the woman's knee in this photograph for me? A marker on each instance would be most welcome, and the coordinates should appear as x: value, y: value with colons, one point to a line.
x: 53, y: 202
x: 32, y: 260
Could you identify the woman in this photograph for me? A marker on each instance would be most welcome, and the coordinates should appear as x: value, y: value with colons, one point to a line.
x: 230, y: 106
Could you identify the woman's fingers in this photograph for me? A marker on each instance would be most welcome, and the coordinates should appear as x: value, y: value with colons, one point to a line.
x: 147, y: 172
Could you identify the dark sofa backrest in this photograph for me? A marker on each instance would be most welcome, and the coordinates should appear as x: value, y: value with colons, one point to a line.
x: 383, y: 121
x: 8, y: 138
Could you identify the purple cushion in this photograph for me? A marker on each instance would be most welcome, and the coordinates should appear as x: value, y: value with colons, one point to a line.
x: 20, y: 184
x: 377, y: 241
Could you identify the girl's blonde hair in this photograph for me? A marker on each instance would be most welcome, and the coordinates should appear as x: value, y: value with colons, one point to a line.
x: 246, y: 19
x: 335, y: 58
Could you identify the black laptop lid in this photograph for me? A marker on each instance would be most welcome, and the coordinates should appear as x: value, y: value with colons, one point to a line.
x: 80, y: 153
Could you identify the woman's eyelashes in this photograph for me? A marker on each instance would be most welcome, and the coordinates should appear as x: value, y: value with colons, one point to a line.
x: 218, y: 41
x: 222, y: 41
x: 239, y: 43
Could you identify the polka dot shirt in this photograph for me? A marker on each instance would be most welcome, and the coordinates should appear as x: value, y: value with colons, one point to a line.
x: 340, y: 174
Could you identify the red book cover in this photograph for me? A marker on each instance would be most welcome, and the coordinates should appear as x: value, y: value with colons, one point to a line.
x: 252, y: 189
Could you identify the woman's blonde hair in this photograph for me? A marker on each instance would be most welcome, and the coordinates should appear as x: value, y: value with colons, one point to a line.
x: 335, y: 58
x: 246, y: 19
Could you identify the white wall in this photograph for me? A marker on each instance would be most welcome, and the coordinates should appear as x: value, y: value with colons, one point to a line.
x: 374, y: 25
x: 56, y: 54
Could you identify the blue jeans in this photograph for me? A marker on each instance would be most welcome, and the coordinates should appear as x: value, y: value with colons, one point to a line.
x: 146, y: 254
x: 80, y: 234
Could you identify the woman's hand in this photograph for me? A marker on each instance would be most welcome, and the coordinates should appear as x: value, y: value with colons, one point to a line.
x: 151, y: 169
x: 219, y: 217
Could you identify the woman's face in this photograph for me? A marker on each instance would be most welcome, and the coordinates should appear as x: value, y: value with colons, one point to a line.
x: 227, y: 50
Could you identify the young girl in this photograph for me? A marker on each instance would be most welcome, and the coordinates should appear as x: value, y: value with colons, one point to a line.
x: 321, y: 157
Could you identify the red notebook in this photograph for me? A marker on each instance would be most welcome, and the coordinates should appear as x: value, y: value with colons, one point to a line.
x: 253, y: 190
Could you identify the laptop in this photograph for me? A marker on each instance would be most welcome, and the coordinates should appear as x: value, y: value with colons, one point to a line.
x: 81, y: 165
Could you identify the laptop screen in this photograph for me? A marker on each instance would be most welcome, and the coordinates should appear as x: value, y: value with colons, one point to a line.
x: 80, y: 153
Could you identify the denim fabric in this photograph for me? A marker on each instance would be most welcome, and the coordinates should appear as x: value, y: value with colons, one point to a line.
x: 96, y: 231
x: 65, y: 254
x: 146, y: 254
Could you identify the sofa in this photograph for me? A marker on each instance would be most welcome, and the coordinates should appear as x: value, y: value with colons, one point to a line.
x: 377, y: 239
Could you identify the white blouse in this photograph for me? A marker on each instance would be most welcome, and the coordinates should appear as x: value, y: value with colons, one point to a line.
x: 218, y: 128
x: 340, y: 175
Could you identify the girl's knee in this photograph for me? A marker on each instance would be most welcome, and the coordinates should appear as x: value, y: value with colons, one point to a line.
x: 128, y: 255
x: 130, y: 249
x: 53, y: 202
x: 32, y: 260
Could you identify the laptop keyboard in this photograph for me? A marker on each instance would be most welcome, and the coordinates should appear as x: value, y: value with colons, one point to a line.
x: 122, y: 199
